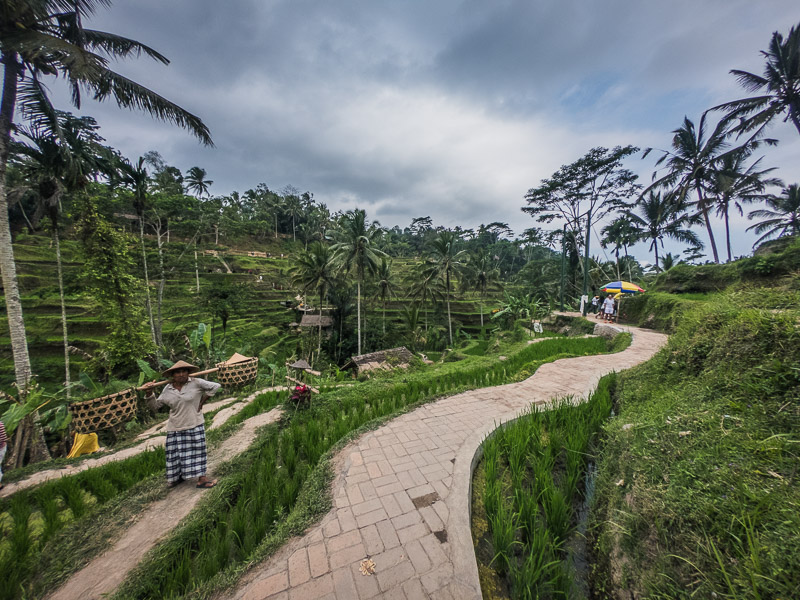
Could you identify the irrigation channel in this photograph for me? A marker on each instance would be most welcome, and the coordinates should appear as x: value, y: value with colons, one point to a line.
x: 400, y: 523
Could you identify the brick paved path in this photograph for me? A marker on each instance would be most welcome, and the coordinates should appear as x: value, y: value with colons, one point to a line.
x: 402, y: 493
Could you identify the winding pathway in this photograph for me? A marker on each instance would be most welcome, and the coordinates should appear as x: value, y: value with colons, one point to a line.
x: 402, y: 493
x: 103, y: 574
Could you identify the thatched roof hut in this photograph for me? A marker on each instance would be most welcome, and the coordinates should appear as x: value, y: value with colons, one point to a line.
x: 310, y: 320
x: 383, y: 359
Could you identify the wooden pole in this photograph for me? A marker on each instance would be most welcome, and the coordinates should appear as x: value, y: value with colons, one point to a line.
x: 166, y: 381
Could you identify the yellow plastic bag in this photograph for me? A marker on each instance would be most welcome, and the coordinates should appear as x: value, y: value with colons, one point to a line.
x: 84, y: 443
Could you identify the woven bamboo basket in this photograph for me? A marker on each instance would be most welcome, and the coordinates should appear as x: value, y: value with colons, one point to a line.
x: 103, y: 413
x: 240, y: 373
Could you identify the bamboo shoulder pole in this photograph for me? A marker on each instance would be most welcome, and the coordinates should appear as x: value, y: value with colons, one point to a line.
x: 166, y: 381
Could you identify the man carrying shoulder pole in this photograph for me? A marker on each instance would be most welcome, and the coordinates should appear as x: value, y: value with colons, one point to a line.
x: 186, y: 434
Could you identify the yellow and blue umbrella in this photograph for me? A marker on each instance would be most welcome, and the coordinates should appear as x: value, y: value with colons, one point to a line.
x: 622, y: 287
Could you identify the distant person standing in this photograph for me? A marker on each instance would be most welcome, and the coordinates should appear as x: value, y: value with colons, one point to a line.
x: 596, y: 304
x: 186, y: 432
x: 3, y: 448
x: 608, y: 308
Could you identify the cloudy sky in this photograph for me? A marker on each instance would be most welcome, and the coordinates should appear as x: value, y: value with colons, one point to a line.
x: 451, y: 109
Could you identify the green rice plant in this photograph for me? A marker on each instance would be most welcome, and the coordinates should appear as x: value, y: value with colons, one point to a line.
x: 503, y: 525
x: 72, y: 494
x: 535, y: 577
x: 59, y: 502
x: 527, y: 506
x: 20, y: 539
x: 557, y: 512
x: 47, y: 500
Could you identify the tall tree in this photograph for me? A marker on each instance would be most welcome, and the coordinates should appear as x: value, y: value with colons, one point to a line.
x: 137, y: 179
x: 735, y: 182
x: 662, y: 216
x: 355, y: 252
x: 195, y: 181
x: 47, y: 38
x: 385, y: 283
x: 482, y: 275
x: 313, y: 272
x: 781, y: 218
x: 779, y: 87
x: 690, y: 165
x: 59, y: 157
x: 584, y: 192
x: 425, y: 284
x: 620, y: 234
x: 448, y: 260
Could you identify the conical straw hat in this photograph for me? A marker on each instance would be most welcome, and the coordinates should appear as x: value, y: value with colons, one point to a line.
x: 236, y: 358
x: 181, y: 364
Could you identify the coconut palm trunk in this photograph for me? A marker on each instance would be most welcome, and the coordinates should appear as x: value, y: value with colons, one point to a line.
x: 449, y: 320
x: 29, y: 432
x: 161, y: 284
x: 319, y: 340
x: 704, y: 210
x: 148, y: 301
x: 16, y: 323
x: 196, y: 270
x: 63, y: 308
x: 358, y: 313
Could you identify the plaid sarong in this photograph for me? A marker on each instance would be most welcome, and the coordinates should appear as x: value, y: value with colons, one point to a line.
x: 186, y: 454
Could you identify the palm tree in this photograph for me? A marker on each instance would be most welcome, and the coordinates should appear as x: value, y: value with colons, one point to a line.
x: 55, y: 164
x: 47, y: 37
x: 415, y: 334
x: 448, y: 261
x: 137, y: 179
x: 313, y: 271
x: 425, y: 284
x: 383, y: 276
x: 734, y: 182
x: 355, y: 252
x: 621, y: 234
x: 662, y: 216
x: 783, y: 218
x: 196, y: 181
x: 668, y: 261
x: 690, y: 164
x: 482, y: 275
x: 779, y: 87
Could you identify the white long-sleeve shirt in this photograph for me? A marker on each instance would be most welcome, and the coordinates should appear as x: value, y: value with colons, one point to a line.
x: 184, y: 404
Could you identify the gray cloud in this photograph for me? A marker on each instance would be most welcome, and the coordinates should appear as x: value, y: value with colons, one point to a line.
x: 451, y: 109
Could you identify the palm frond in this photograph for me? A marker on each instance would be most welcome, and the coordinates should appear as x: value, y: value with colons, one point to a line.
x: 129, y: 94
x: 36, y: 108
x: 120, y: 47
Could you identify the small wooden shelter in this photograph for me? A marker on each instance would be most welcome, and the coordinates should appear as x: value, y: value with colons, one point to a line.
x: 383, y: 359
x: 311, y: 320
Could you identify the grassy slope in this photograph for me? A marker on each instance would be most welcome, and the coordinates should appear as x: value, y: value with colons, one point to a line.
x: 699, y: 495
x: 261, y: 328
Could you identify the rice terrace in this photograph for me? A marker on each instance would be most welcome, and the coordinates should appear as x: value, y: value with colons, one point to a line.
x: 461, y: 364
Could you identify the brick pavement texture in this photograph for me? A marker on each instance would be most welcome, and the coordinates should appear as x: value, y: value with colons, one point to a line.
x: 401, y: 494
